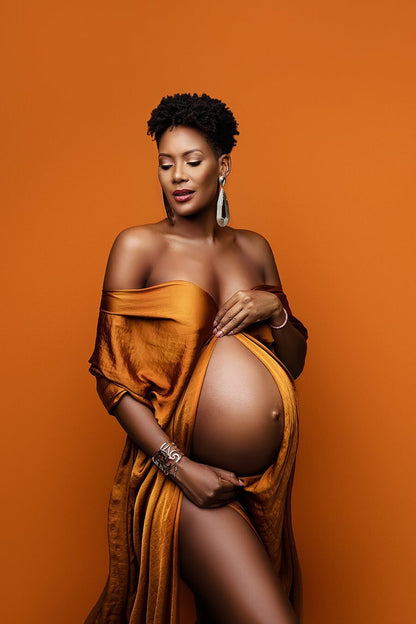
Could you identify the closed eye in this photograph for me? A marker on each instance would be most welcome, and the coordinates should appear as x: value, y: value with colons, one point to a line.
x: 193, y: 163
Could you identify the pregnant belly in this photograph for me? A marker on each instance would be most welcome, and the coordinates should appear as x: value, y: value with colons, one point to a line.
x: 239, y: 421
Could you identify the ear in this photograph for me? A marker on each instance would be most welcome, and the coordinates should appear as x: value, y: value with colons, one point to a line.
x: 224, y: 164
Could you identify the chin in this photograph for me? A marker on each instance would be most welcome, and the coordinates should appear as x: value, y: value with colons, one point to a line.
x: 188, y: 211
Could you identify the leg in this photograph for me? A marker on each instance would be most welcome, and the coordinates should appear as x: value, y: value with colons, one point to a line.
x: 227, y: 567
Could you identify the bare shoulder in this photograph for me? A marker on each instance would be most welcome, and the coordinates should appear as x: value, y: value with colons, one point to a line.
x: 138, y: 237
x: 258, y: 249
x: 131, y: 256
x: 253, y: 243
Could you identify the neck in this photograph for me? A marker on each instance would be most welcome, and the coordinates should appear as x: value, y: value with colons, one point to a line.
x: 201, y: 228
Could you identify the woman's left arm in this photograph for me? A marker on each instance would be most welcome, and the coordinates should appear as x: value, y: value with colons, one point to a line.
x: 249, y: 306
x: 289, y: 343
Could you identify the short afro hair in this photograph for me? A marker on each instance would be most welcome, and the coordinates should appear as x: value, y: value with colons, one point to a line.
x: 210, y: 116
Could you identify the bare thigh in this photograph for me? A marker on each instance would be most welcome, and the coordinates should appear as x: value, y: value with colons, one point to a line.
x: 226, y: 566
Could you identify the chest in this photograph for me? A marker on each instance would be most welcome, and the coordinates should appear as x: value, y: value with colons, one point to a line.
x: 220, y: 271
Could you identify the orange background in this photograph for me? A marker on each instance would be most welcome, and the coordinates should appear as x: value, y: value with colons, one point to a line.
x: 324, y: 168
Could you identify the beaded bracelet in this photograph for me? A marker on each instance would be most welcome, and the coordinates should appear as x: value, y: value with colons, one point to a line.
x: 167, y: 458
x: 284, y: 322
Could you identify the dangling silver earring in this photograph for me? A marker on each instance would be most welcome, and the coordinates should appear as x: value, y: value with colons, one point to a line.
x: 169, y: 212
x: 223, y: 210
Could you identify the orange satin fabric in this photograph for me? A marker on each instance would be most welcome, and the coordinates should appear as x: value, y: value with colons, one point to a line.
x: 155, y: 343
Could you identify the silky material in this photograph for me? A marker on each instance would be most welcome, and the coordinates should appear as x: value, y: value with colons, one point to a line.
x: 155, y: 344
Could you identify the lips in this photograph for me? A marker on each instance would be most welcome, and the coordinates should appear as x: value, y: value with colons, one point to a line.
x: 182, y: 195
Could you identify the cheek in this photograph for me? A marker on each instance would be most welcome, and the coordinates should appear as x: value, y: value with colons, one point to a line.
x: 208, y: 181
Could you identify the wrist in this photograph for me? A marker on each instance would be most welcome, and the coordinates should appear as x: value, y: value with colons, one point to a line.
x: 167, y: 458
x: 182, y: 470
x: 279, y: 319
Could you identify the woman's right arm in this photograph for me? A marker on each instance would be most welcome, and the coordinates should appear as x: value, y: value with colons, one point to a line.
x: 128, y: 265
x: 204, y: 485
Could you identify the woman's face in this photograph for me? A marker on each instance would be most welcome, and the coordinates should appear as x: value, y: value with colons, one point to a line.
x: 188, y: 170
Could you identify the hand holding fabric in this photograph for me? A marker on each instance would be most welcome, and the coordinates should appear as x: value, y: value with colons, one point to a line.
x: 244, y: 308
x: 206, y: 486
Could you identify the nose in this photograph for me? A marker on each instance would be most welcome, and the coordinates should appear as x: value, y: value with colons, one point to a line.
x: 178, y: 173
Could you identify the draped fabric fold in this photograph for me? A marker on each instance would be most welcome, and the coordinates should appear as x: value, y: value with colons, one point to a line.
x: 285, y: 303
x: 155, y: 344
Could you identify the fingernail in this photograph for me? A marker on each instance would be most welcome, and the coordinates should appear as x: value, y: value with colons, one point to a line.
x: 219, y: 333
x: 241, y: 482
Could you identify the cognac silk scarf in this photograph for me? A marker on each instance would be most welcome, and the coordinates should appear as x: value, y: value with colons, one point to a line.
x: 155, y: 344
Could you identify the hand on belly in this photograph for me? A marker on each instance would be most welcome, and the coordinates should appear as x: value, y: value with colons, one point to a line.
x: 240, y: 418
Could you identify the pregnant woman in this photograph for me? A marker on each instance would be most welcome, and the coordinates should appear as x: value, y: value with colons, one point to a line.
x: 195, y: 355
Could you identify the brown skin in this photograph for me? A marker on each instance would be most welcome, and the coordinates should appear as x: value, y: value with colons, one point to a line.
x: 239, y: 585
x: 196, y: 249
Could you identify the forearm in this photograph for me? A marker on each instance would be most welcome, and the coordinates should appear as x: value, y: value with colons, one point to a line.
x: 204, y: 485
x: 140, y: 424
x: 290, y: 345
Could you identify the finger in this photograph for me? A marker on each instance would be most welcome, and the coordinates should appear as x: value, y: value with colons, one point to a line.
x: 231, y: 318
x: 240, y: 296
x: 240, y: 327
x: 230, y: 477
x: 227, y: 311
x: 226, y: 474
x: 227, y: 487
x: 244, y: 304
x: 241, y: 319
x: 223, y: 309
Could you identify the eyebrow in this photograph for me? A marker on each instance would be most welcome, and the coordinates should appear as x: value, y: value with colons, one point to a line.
x: 184, y: 154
